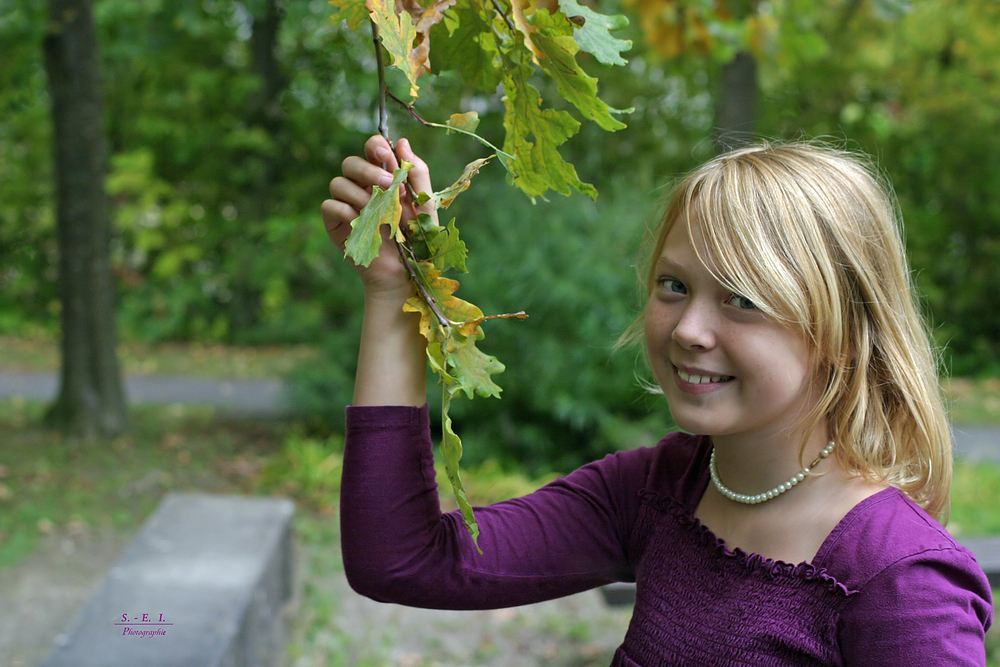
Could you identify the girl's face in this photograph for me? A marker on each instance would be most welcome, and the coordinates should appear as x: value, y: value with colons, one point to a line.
x: 725, y: 367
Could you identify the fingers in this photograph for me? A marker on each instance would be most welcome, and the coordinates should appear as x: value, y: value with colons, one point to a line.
x: 352, y: 191
x: 379, y: 152
x: 337, y: 217
x: 364, y: 174
x: 419, y: 176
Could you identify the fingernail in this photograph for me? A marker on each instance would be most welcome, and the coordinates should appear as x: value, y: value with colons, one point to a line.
x: 382, y: 154
x: 385, y: 181
x: 404, y: 148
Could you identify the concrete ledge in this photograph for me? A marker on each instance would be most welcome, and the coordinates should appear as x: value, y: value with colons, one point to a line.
x: 205, y: 583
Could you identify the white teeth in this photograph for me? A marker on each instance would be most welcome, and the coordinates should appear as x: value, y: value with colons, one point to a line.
x: 702, y: 379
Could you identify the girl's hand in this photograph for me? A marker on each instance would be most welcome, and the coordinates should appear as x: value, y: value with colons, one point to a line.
x: 386, y: 275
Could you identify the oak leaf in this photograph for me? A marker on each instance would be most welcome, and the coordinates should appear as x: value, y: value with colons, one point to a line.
x: 440, y: 244
x: 594, y: 37
x: 519, y: 15
x: 465, y: 41
x: 352, y: 11
x: 451, y: 452
x: 423, y: 19
x: 465, y: 122
x: 441, y: 291
x: 555, y: 40
x: 444, y: 198
x: 383, y: 208
x: 472, y: 368
x: 398, y: 35
x: 533, y: 136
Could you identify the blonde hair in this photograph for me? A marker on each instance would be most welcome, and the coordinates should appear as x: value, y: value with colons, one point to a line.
x: 811, y: 235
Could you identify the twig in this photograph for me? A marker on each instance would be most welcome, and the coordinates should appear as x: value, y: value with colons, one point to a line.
x: 500, y: 11
x: 409, y: 107
x: 519, y: 315
x: 383, y: 113
x: 427, y: 296
x: 383, y: 128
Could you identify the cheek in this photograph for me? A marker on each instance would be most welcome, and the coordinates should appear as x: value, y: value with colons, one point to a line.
x: 788, y: 373
x: 658, y: 326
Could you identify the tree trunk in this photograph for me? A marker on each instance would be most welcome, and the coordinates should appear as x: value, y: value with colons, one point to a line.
x: 736, y: 114
x: 91, y: 399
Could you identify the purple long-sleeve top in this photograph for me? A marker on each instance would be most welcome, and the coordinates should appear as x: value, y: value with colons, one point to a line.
x: 889, y: 586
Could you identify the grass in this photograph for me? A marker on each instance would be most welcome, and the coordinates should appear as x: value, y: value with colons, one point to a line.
x: 975, y: 499
x: 973, y: 401
x: 48, y: 484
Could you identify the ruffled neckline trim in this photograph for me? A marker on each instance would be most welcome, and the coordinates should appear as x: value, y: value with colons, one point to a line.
x: 751, y: 562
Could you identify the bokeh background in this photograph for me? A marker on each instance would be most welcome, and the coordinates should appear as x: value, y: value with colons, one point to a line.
x: 225, y: 121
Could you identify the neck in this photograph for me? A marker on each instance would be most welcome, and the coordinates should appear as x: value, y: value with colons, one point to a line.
x: 752, y: 465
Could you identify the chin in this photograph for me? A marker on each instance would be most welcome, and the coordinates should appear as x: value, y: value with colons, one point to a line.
x: 696, y: 426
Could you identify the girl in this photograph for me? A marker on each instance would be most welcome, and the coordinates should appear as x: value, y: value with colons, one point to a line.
x: 794, y: 522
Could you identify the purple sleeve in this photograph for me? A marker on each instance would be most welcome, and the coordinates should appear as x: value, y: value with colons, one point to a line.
x: 398, y: 547
x: 932, y: 609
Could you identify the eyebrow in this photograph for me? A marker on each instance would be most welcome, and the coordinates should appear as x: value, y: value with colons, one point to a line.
x: 669, y: 264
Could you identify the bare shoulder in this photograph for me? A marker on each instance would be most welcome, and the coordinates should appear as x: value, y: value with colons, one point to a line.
x: 792, y: 528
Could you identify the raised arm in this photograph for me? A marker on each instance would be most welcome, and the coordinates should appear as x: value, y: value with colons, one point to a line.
x: 392, y: 360
x: 396, y: 544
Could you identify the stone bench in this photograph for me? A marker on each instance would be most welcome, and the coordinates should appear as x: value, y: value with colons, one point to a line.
x: 986, y: 550
x: 206, y: 583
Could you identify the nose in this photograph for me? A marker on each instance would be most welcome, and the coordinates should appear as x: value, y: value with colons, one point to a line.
x: 697, y: 326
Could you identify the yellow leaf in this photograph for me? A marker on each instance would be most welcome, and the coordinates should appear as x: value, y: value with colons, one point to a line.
x: 525, y: 28
x: 423, y: 19
x: 398, y: 35
x: 440, y: 290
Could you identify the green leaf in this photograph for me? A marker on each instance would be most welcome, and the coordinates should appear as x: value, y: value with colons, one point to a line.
x: 352, y: 11
x: 472, y: 368
x: 594, y: 37
x: 382, y: 209
x: 466, y: 122
x: 572, y: 82
x: 438, y: 363
x: 443, y: 247
x: 465, y: 41
x: 451, y: 452
x: 447, y: 250
x: 397, y: 34
x: 533, y: 137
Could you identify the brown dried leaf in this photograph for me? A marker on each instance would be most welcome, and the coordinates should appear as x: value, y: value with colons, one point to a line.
x: 423, y: 18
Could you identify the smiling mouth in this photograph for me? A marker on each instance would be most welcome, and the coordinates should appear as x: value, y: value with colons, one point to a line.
x: 703, y: 379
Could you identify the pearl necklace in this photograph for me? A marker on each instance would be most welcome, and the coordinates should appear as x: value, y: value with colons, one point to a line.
x: 767, y: 495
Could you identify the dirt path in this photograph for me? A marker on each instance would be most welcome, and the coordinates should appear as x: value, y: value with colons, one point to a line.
x: 40, y: 597
x: 576, y: 631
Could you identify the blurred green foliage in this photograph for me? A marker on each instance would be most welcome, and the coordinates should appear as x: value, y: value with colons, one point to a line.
x: 922, y: 95
x: 200, y: 253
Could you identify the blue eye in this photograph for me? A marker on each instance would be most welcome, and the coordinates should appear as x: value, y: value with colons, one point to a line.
x: 674, y: 286
x: 742, y: 302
